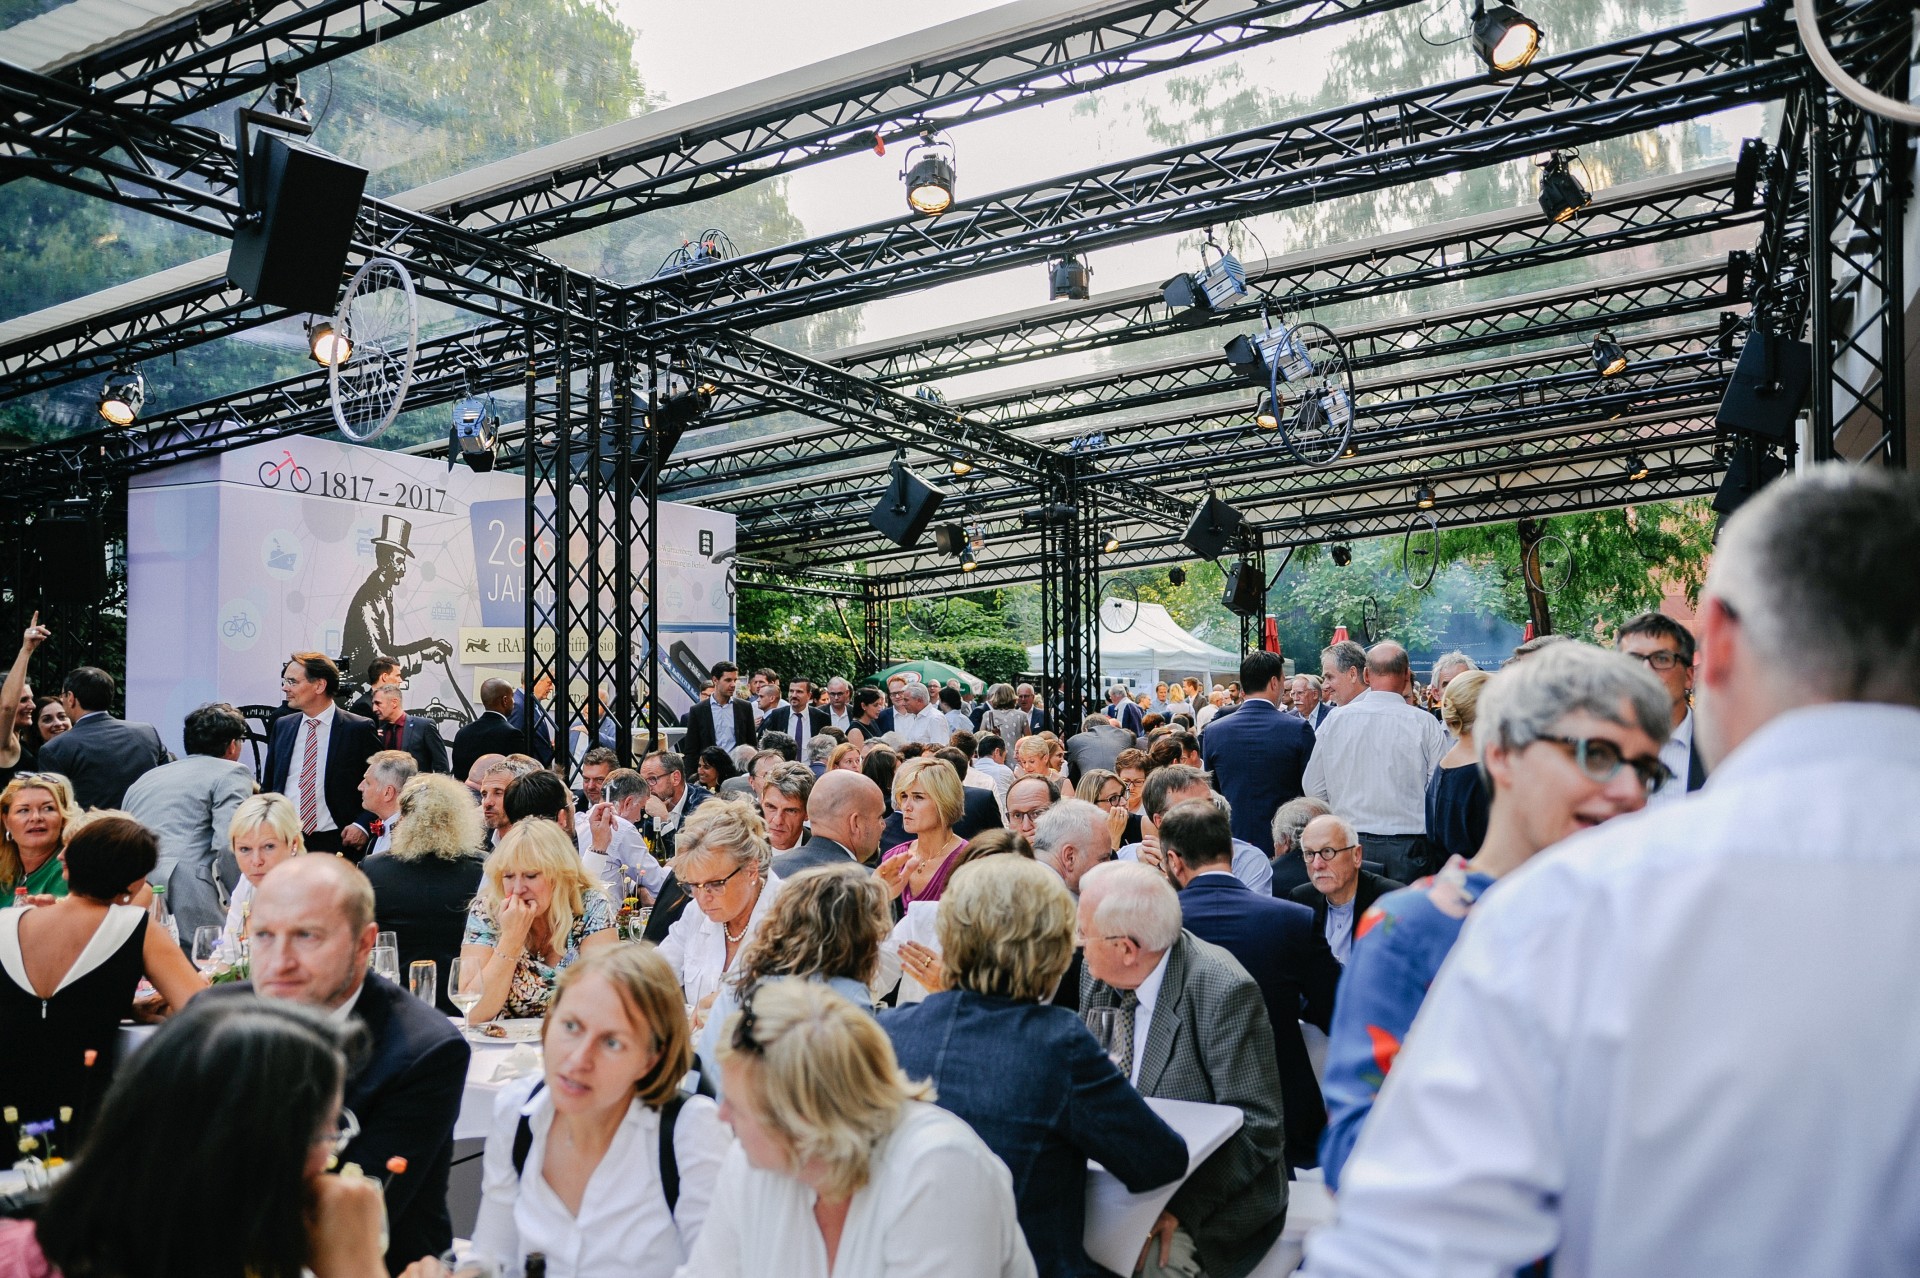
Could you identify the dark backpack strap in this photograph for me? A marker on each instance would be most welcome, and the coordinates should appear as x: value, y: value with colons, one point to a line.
x: 669, y: 1162
x: 523, y: 1135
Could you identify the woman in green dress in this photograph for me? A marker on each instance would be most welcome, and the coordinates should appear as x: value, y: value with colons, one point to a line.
x: 37, y: 813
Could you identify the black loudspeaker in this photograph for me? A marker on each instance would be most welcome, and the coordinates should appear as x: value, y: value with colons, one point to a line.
x: 1246, y: 593
x: 1768, y: 387
x: 909, y: 505
x: 1211, y: 530
x: 293, y: 253
x: 73, y: 557
x: 1750, y: 469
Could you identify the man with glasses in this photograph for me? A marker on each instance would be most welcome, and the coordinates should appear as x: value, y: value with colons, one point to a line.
x: 318, y: 755
x: 1338, y: 890
x: 1666, y: 648
x: 610, y: 841
x: 1028, y: 799
x: 1166, y: 789
x: 311, y: 931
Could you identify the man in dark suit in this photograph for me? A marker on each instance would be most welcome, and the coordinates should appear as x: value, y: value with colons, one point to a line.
x: 1340, y: 890
x: 311, y: 928
x: 1036, y: 717
x: 382, y: 670
x: 318, y: 755
x: 1259, y: 754
x: 1193, y: 1026
x: 1275, y: 941
x: 845, y: 814
x: 490, y: 733
x: 399, y: 730
x: 799, y: 718
x: 724, y: 721
x: 100, y: 754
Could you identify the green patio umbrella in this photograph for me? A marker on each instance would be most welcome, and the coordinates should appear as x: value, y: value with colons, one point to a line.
x: 932, y: 673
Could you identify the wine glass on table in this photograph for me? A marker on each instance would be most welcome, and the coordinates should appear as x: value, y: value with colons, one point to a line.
x: 209, y: 949
x: 386, y: 961
x: 457, y: 992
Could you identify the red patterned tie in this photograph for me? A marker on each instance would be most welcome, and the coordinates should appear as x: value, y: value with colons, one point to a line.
x: 309, y: 776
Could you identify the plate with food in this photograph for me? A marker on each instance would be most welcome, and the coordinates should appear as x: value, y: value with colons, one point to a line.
x: 522, y: 1030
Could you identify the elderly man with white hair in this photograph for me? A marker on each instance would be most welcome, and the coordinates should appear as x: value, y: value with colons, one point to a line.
x: 1070, y: 838
x: 917, y: 719
x: 1682, y: 1042
x: 1191, y: 1025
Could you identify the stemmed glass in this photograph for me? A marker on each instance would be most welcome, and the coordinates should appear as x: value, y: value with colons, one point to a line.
x: 208, y: 948
x: 457, y: 992
x: 1104, y: 1023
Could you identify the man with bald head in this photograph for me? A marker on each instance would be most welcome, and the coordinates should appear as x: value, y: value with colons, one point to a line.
x: 846, y: 811
x: 311, y: 930
x: 1371, y: 762
x: 477, y: 774
x: 490, y: 733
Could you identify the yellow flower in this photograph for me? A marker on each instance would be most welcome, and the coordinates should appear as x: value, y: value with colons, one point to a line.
x: 66, y: 1113
x: 10, y: 1114
x: 28, y: 1144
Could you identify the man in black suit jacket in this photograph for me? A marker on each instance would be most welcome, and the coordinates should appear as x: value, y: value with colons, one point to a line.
x: 490, y: 733
x: 345, y: 742
x: 1258, y: 756
x: 1278, y: 944
x: 405, y: 1094
x: 399, y: 730
x: 1341, y: 891
x: 846, y: 815
x: 1036, y: 717
x: 702, y: 727
x: 100, y: 754
x: 799, y: 713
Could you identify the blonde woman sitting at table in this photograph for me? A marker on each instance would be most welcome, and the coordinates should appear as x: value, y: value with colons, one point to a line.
x: 37, y: 815
x: 537, y: 912
x: 599, y: 1162
x: 841, y: 1167
x: 725, y: 864
x: 264, y: 832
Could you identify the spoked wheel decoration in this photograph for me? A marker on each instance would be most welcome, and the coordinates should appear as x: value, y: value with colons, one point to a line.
x: 1119, y: 607
x: 380, y: 318
x: 928, y: 617
x: 1319, y: 378
x: 1420, y: 551
x: 1550, y: 567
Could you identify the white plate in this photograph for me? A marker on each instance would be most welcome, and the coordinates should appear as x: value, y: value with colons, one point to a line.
x: 525, y: 1030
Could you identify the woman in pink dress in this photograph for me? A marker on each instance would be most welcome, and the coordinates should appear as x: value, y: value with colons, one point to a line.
x: 926, y: 793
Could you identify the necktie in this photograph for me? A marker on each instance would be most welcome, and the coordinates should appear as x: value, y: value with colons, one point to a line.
x: 1129, y: 1000
x: 309, y: 779
x: 392, y: 734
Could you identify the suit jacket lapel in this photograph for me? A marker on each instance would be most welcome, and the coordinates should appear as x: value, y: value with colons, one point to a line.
x: 1168, y: 1011
x: 1696, y: 766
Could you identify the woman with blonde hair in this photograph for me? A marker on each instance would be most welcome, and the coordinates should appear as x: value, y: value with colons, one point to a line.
x: 537, y: 912
x: 37, y: 816
x: 599, y: 1161
x: 841, y: 1167
x: 725, y: 864
x: 425, y: 881
x: 1053, y: 1098
x: 845, y: 755
x: 927, y: 794
x: 265, y: 831
x: 1458, y: 798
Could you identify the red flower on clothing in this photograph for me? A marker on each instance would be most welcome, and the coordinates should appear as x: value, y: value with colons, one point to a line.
x: 1385, y: 1048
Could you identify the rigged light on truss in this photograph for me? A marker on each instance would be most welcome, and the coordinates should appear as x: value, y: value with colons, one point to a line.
x: 122, y: 396
x: 474, y: 434
x: 1342, y: 556
x: 1423, y: 497
x: 1109, y: 542
x: 1069, y: 279
x: 1176, y: 576
x: 1609, y: 357
x: 961, y: 466
x: 1562, y: 195
x: 1266, y: 416
x: 326, y: 347
x: 931, y: 176
x: 1505, y: 38
x: 1637, y: 467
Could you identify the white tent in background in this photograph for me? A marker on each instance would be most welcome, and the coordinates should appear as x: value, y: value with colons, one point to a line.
x: 1141, y: 645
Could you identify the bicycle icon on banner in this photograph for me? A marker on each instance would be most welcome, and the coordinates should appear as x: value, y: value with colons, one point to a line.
x: 239, y: 626
x: 299, y: 478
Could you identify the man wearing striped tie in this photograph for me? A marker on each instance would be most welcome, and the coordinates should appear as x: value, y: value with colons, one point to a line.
x: 318, y: 756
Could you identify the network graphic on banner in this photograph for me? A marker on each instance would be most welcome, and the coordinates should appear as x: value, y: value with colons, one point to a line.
x: 355, y: 552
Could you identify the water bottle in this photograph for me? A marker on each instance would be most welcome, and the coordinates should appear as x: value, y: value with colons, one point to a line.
x: 20, y: 897
x: 159, y: 916
x: 536, y: 1265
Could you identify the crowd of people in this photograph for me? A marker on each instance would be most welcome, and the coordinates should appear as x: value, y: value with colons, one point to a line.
x: 858, y: 987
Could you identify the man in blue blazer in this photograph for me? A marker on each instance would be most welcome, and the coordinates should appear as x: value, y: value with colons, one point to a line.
x: 1275, y: 941
x: 344, y: 743
x: 1258, y: 755
x: 100, y: 754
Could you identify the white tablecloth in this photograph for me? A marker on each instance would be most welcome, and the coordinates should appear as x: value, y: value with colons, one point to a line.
x: 489, y: 1060
x: 1117, y: 1221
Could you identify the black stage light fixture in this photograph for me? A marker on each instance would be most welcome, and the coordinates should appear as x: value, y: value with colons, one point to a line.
x: 1423, y: 497
x: 967, y: 562
x: 326, y: 347
x: 671, y: 414
x: 1768, y: 387
x: 1342, y: 556
x: 1245, y: 360
x: 1109, y: 542
x: 1505, y: 38
x: 1266, y: 416
x: 1213, y: 528
x: 122, y: 396
x: 930, y: 178
x: 1609, y: 357
x: 1176, y: 576
x: 1746, y: 173
x: 474, y: 434
x: 950, y: 539
x: 1182, y: 293
x: 1562, y: 195
x: 298, y: 206
x: 1637, y: 468
x: 961, y: 466
x: 1750, y: 469
x: 1069, y: 279
x: 906, y: 508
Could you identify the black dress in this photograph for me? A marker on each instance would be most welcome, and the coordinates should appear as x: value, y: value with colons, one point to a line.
x: 1457, y: 803
x: 424, y: 901
x: 44, y: 1066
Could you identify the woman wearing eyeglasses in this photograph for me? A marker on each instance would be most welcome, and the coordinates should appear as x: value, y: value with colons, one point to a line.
x: 537, y: 912
x: 1569, y: 738
x: 1106, y: 791
x: 725, y: 864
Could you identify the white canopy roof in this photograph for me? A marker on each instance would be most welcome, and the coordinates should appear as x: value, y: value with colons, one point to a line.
x: 1154, y: 642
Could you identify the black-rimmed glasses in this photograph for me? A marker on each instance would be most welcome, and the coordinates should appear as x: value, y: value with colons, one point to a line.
x: 1600, y: 760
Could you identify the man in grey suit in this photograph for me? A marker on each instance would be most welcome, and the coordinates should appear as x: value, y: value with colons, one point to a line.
x: 1193, y: 1026
x: 846, y: 812
x: 189, y: 804
x: 100, y: 754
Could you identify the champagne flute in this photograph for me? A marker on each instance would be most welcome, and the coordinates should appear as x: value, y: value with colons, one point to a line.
x: 457, y: 993
x: 1104, y: 1024
x: 423, y: 978
x: 386, y: 961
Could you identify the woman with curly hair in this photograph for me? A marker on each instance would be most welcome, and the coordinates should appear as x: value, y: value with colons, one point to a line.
x: 426, y: 879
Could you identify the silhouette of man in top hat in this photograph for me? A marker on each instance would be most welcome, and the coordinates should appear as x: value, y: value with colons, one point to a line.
x: 369, y: 626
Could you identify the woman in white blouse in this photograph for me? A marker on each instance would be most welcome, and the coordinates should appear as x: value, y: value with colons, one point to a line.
x: 724, y: 862
x: 265, y: 831
x: 591, y: 1187
x: 841, y: 1166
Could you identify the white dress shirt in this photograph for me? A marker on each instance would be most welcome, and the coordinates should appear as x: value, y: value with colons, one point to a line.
x: 722, y: 712
x: 937, y: 1204
x: 927, y: 724
x: 1340, y: 929
x: 625, y: 859
x: 1679, y: 1044
x: 696, y: 946
x: 841, y: 719
x: 1677, y: 754
x: 1371, y: 763
x: 387, y: 826
x: 623, y: 1229
x: 1149, y: 995
x: 323, y: 819
x: 1250, y: 864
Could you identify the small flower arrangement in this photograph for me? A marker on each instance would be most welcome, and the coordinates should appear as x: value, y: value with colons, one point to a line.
x: 40, y: 1162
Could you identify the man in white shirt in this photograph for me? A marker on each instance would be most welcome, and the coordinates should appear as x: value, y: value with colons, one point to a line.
x: 387, y: 774
x: 1655, y: 1050
x: 1371, y: 761
x: 919, y: 721
x: 1666, y: 648
x: 990, y: 761
x: 609, y: 837
x: 1343, y: 673
x: 839, y: 704
x: 1167, y: 788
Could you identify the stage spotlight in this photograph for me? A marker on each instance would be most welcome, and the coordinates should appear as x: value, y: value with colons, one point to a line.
x: 1069, y: 278
x: 1561, y: 193
x: 1266, y: 416
x: 930, y: 178
x: 950, y: 539
x: 1109, y: 543
x: 961, y: 466
x: 326, y: 347
x: 1609, y: 357
x: 1224, y: 281
x: 1176, y: 576
x: 967, y: 562
x: 123, y: 396
x: 474, y: 434
x: 1182, y: 293
x: 1342, y: 556
x: 1423, y: 497
x: 1505, y: 38
x: 1637, y: 467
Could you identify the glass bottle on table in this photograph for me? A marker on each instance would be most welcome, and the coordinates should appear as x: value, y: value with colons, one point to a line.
x: 159, y: 916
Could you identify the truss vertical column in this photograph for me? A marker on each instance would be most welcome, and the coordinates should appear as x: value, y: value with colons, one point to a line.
x: 1070, y: 594
x: 1254, y: 552
x: 549, y: 549
x: 588, y: 498
x: 642, y: 521
x: 622, y: 446
x: 876, y: 647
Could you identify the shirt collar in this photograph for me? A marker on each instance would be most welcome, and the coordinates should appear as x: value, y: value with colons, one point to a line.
x: 1149, y: 991
x: 343, y: 1013
x: 324, y: 716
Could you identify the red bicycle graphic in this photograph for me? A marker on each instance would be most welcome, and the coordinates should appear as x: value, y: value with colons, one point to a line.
x: 298, y: 477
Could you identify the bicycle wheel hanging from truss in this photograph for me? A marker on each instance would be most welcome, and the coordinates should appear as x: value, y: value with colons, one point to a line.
x: 1319, y: 376
x: 1549, y: 568
x: 379, y: 318
x: 1119, y: 607
x: 929, y: 616
x: 1420, y: 551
